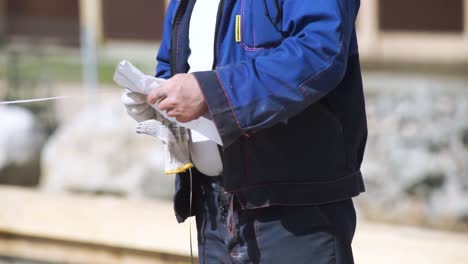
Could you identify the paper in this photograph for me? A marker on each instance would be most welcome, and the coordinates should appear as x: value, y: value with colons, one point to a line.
x: 129, y: 77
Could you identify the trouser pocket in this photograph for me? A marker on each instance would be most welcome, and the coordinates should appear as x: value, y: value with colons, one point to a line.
x: 305, y: 234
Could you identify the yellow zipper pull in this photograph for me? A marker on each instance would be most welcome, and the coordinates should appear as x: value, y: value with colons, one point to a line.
x: 238, y: 28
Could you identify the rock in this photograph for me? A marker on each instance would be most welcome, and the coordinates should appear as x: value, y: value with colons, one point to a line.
x: 21, y: 140
x: 97, y: 151
x: 416, y: 161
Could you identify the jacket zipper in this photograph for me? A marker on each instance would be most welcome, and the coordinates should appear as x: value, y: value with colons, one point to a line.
x: 215, y: 46
x: 174, y: 37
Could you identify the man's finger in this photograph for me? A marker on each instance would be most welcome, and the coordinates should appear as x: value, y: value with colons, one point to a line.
x: 170, y: 113
x: 156, y: 95
x: 165, y: 105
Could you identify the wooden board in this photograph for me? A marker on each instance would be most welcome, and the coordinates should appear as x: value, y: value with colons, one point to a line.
x: 84, y: 229
x: 133, y: 20
x: 422, y: 15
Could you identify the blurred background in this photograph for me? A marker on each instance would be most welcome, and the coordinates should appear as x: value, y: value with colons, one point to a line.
x: 77, y: 185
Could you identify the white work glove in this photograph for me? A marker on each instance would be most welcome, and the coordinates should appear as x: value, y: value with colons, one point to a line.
x: 150, y: 122
x: 136, y: 106
x: 175, y: 139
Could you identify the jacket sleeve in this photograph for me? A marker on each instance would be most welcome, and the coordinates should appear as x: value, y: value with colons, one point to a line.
x: 310, y: 62
x: 163, y: 68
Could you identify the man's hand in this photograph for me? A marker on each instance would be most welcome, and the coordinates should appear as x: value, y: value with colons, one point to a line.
x: 181, y: 98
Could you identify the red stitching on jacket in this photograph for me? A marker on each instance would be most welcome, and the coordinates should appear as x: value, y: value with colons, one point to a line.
x: 247, y: 48
x: 243, y: 45
x: 229, y: 101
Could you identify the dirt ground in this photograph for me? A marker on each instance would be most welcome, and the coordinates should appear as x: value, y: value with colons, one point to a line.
x: 388, y: 244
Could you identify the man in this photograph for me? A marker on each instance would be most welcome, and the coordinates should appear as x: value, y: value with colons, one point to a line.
x: 281, y: 80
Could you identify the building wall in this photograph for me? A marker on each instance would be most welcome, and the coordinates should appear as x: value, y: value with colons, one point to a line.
x: 133, y: 20
x: 58, y: 19
x: 427, y: 31
x: 422, y: 31
x: 421, y: 15
x: 3, y: 20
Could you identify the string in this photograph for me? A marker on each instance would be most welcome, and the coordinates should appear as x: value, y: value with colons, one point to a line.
x: 24, y: 101
x: 190, y: 220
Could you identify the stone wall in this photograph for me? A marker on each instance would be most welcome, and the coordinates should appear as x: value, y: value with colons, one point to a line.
x: 416, y: 161
x: 21, y: 140
x: 96, y: 150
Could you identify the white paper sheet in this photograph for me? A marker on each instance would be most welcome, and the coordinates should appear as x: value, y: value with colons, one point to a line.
x: 129, y: 77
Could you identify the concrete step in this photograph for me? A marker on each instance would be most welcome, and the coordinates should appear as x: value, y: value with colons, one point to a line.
x: 65, y: 228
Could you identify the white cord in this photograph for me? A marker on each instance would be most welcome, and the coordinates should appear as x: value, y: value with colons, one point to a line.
x: 190, y: 219
x: 33, y: 100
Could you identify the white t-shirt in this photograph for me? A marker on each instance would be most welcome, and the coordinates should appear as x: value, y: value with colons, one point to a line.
x: 202, y: 34
x: 204, y: 153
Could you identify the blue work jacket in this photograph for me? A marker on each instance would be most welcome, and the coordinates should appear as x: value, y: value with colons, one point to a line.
x: 286, y: 96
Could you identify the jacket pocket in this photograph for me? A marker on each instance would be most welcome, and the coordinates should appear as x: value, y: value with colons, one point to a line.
x: 258, y: 24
